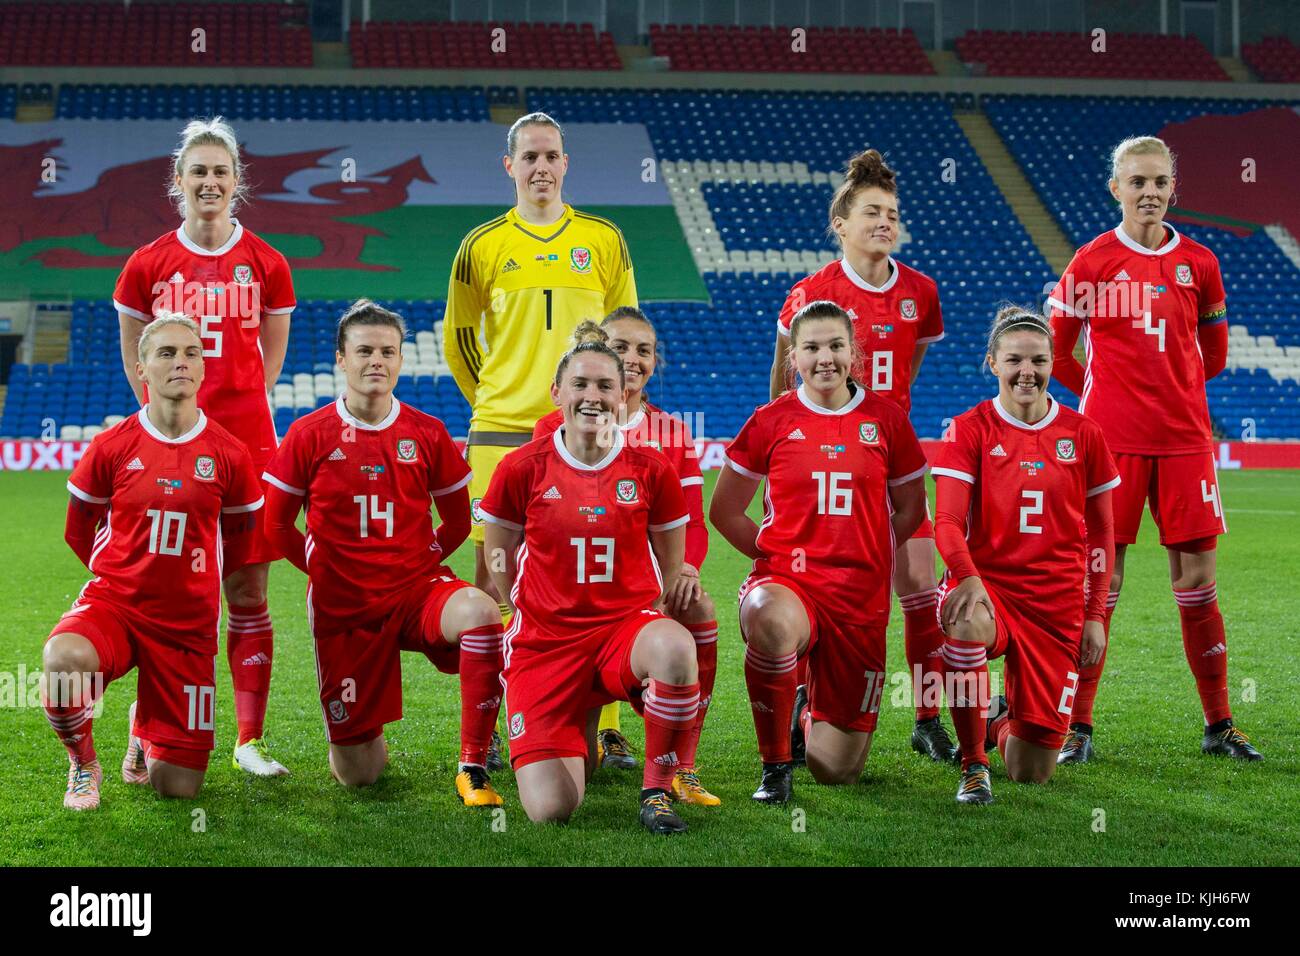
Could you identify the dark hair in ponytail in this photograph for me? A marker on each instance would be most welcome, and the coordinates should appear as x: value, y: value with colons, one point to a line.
x: 863, y: 171
x: 589, y: 337
x: 1011, y: 317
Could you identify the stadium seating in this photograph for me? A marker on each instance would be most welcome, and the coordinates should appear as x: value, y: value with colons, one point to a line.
x: 451, y: 45
x: 117, y: 34
x: 113, y: 101
x: 754, y: 49
x: 1273, y: 59
x: 1147, y: 56
x: 8, y: 101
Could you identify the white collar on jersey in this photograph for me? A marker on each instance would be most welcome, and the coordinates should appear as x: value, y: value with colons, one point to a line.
x: 619, y: 442
x: 635, y: 420
x: 198, y: 250
x: 858, y: 395
x: 1052, y: 408
x: 193, y: 433
x: 1137, y: 247
x: 863, y: 284
x: 348, y: 418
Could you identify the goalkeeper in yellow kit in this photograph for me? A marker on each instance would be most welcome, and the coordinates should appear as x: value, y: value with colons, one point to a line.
x: 519, y: 286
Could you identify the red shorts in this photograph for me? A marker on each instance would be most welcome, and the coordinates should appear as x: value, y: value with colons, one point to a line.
x: 1183, y: 491
x: 176, y: 685
x: 846, y: 662
x: 359, y: 670
x: 552, y: 686
x: 1042, y: 667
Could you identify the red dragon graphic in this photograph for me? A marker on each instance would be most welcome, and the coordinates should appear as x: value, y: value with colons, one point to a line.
x: 127, y: 207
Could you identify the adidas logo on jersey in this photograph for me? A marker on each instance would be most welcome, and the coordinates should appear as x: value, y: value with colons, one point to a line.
x: 1123, y: 276
x: 796, y: 435
x: 136, y: 465
x: 552, y: 494
x: 510, y: 266
x: 667, y: 760
x: 258, y: 658
x: 998, y: 451
x: 177, y: 277
x: 337, y: 455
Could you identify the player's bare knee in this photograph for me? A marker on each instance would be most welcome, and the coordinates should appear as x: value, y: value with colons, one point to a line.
x: 478, y: 608
x: 553, y: 808
x: 829, y: 772
x: 701, y: 610
x: 176, y: 786
x: 671, y: 654
x: 69, y: 654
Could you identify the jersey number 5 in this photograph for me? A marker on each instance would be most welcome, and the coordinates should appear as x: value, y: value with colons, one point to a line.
x: 210, y: 335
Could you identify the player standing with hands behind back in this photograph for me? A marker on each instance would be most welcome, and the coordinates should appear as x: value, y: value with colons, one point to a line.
x: 1151, y: 304
x: 519, y: 286
x: 896, y: 317
x: 238, y: 290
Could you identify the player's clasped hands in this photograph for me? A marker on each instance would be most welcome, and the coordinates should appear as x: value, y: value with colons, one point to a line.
x: 963, y: 599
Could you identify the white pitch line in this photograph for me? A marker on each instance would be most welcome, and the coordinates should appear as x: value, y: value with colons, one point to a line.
x: 1259, y: 511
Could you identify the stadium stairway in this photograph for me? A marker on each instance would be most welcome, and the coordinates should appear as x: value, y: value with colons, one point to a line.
x: 50, y: 339
x: 1016, y: 189
x: 1236, y: 69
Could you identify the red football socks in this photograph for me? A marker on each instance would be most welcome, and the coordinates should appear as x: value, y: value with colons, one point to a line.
x: 967, y: 663
x: 706, y: 659
x: 69, y: 707
x: 249, y: 638
x: 771, y: 685
x: 670, y: 714
x: 1081, y: 713
x: 480, y: 690
x: 1206, y: 648
x: 923, y: 644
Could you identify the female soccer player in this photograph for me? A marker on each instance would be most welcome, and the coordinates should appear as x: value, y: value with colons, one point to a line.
x: 1151, y: 304
x: 366, y: 468
x: 896, y: 317
x: 238, y: 289
x: 632, y: 337
x: 585, y: 535
x: 1018, y: 477
x: 519, y: 286
x: 844, y: 484
x: 143, y: 517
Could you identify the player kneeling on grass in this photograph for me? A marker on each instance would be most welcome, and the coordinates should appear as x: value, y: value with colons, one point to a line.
x: 585, y: 533
x: 845, y: 482
x: 366, y: 468
x: 632, y: 337
x: 1019, y: 476
x: 146, y: 501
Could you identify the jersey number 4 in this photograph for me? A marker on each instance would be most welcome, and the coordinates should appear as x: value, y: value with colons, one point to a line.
x: 371, y: 504
x: 1152, y: 328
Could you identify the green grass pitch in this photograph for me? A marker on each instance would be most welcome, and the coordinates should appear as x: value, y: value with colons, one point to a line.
x: 1149, y: 799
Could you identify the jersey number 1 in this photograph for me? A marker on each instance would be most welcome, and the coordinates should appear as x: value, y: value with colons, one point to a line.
x: 547, y: 293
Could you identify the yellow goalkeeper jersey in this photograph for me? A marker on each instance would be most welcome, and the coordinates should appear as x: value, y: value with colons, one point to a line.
x: 517, y: 291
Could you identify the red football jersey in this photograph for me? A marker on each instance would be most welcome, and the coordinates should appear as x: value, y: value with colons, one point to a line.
x: 889, y: 321
x: 158, y: 552
x: 586, y: 560
x: 226, y: 291
x: 1030, y: 488
x: 1144, y: 380
x: 826, y: 508
x: 368, y: 491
